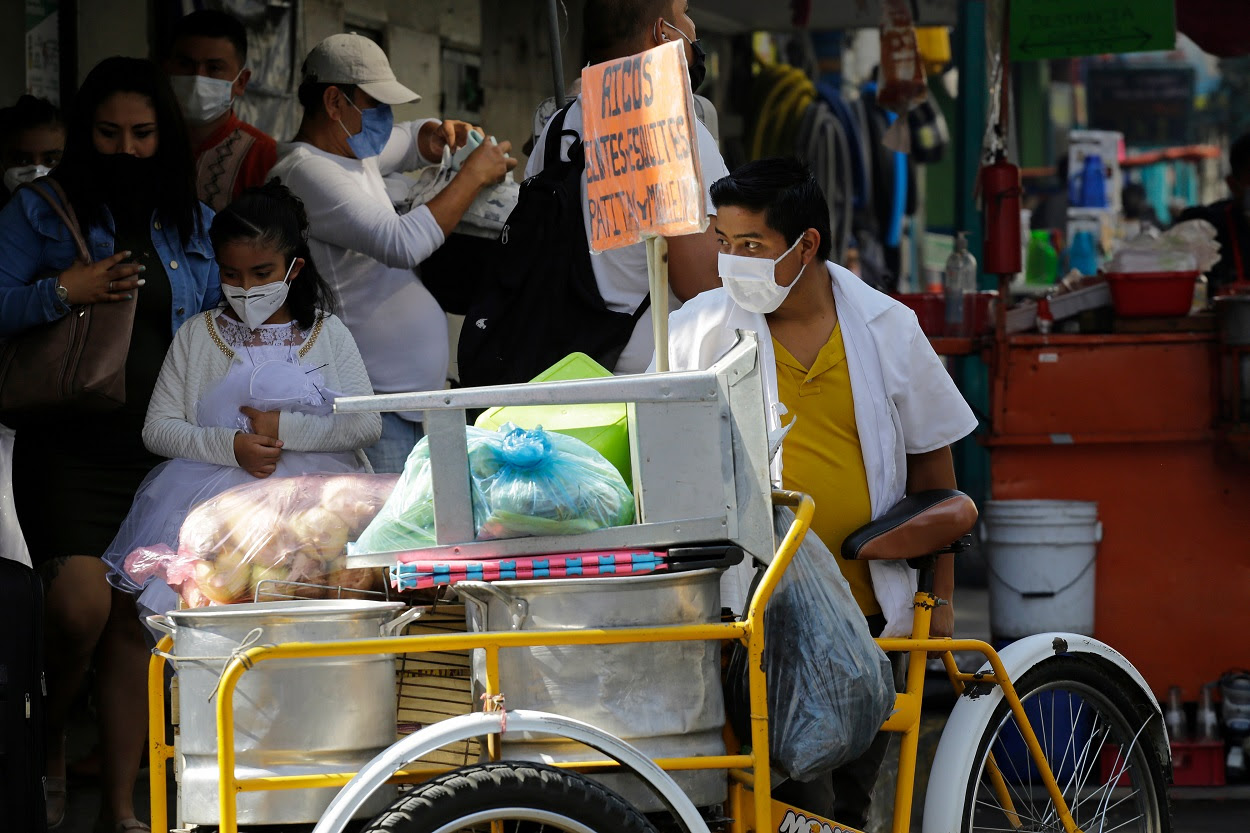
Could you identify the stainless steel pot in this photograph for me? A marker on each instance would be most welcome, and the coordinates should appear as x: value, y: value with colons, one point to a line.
x: 665, y: 698
x: 292, y: 717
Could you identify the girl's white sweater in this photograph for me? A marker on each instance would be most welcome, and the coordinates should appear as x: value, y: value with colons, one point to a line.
x: 198, y: 359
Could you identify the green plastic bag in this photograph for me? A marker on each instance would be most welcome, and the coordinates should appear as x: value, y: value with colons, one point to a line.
x: 522, y: 483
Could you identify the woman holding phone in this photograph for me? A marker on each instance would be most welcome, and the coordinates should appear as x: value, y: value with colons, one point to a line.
x: 128, y: 174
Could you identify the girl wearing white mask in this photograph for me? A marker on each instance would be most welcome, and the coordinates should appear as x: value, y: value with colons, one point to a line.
x: 32, y: 139
x: 247, y: 391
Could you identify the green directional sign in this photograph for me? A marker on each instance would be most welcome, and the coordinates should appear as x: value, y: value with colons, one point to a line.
x: 1071, y: 28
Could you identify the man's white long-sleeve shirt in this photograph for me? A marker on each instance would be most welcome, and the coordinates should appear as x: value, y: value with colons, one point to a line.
x: 367, y: 254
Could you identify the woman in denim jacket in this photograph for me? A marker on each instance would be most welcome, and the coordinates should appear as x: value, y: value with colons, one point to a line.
x: 128, y: 173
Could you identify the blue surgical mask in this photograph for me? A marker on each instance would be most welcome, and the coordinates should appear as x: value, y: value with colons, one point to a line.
x: 375, y: 131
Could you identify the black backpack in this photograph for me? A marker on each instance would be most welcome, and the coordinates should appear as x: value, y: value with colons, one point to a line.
x: 541, y: 301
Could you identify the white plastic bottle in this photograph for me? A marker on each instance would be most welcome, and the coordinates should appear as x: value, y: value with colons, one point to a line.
x: 959, y: 282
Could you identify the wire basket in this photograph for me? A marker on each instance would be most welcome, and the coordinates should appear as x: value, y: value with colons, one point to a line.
x: 273, y: 590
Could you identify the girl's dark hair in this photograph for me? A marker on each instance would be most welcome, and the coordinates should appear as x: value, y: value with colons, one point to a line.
x: 28, y: 112
x: 176, y: 200
x: 272, y: 216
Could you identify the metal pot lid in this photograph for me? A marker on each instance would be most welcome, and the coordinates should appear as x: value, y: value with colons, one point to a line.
x: 287, y: 611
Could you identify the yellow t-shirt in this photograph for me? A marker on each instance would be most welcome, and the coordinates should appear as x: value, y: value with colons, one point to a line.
x: 821, y: 455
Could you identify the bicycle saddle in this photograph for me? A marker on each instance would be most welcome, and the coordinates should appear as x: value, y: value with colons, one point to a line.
x: 917, y: 525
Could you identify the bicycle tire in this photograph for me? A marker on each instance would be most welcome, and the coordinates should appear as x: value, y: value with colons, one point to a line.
x: 1091, y: 699
x: 524, y: 796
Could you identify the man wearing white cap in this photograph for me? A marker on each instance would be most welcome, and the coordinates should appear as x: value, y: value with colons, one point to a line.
x: 346, y: 143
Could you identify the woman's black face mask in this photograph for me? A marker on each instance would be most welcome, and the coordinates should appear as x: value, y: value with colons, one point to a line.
x: 127, y: 179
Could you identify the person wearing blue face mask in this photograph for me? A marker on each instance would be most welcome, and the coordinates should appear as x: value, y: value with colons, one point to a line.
x: 348, y: 140
x: 860, y: 410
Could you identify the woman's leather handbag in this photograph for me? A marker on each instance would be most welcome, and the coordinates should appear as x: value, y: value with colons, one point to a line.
x: 77, y: 361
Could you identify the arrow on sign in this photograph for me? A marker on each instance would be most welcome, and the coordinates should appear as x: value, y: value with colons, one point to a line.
x: 1083, y: 42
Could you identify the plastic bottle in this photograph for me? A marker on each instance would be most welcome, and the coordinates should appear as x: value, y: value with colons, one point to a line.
x: 1208, y: 721
x: 1043, y: 261
x: 1174, y: 716
x: 1093, y: 185
x: 1083, y: 255
x: 958, y: 282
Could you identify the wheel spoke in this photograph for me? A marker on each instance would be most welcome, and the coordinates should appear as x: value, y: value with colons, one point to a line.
x: 1023, y: 816
x: 1077, y: 740
x: 1019, y: 779
x: 1121, y: 824
x: 1051, y: 809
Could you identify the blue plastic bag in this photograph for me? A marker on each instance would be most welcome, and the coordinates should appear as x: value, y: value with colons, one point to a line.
x: 522, y: 483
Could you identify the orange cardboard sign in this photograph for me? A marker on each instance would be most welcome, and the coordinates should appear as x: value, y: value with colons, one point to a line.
x: 643, y: 176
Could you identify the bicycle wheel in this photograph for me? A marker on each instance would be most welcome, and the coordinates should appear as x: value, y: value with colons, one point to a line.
x: 520, y: 797
x: 1092, y: 725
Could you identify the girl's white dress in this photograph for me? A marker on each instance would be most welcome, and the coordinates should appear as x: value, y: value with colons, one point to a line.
x: 267, y: 374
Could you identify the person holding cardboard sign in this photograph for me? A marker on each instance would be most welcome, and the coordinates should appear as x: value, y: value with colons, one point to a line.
x: 617, y: 29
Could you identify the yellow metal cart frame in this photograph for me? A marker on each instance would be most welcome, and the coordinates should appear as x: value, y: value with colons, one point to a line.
x: 750, y: 797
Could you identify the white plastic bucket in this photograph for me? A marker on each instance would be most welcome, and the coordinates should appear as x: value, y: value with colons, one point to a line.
x: 1040, y: 555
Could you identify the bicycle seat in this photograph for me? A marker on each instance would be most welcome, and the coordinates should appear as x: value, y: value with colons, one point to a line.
x: 917, y: 525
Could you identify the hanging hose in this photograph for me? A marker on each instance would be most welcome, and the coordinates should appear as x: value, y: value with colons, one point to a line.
x: 787, y: 92
x: 792, y: 120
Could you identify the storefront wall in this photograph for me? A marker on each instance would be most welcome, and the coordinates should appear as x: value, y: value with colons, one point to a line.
x: 424, y: 38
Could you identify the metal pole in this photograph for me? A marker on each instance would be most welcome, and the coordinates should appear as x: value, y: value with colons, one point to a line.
x: 557, y: 54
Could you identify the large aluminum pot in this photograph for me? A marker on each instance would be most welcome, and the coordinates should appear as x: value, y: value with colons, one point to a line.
x: 665, y: 698
x: 292, y: 717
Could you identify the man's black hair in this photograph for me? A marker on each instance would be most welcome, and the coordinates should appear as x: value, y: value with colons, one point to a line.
x: 1239, y: 156
x: 785, y: 191
x: 209, y: 23
x: 610, y: 27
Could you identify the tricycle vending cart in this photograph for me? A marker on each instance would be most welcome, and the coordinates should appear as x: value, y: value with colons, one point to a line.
x: 1058, y: 732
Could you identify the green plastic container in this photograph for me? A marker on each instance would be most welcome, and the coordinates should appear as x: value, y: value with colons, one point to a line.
x: 605, y: 428
x: 1042, y: 262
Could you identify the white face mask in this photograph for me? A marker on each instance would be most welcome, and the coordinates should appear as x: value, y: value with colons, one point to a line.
x: 752, y: 282
x: 258, y: 305
x: 15, y: 177
x: 203, y: 100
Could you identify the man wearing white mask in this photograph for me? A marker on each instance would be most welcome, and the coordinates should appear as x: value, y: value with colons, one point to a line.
x: 348, y: 140
x: 865, y: 408
x: 207, y: 70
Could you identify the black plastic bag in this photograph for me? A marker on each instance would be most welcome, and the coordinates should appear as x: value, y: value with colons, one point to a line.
x: 829, y: 686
